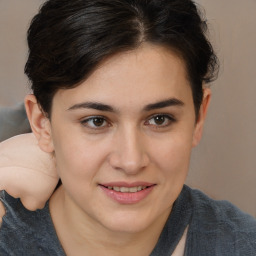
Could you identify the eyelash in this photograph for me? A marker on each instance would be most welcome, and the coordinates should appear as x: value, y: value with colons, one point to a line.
x: 169, y: 118
x: 93, y: 118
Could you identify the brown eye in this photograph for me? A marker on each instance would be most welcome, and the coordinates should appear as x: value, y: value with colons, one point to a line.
x: 98, y: 121
x: 95, y: 122
x: 160, y: 120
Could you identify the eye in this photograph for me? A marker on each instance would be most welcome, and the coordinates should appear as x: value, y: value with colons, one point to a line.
x: 160, y: 120
x: 95, y: 122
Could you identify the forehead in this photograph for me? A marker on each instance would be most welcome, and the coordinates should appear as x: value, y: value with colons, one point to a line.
x: 147, y: 74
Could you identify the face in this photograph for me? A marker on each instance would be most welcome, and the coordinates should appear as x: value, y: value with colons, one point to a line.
x: 123, y: 138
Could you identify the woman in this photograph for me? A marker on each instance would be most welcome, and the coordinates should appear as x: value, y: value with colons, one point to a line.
x: 119, y: 101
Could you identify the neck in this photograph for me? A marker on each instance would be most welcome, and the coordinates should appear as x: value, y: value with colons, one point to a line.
x: 80, y: 234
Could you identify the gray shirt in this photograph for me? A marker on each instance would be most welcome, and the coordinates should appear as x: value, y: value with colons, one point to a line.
x: 13, y: 121
x: 215, y: 228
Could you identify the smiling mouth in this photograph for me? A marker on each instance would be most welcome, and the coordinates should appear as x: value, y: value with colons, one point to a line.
x: 126, y: 189
x: 125, y: 193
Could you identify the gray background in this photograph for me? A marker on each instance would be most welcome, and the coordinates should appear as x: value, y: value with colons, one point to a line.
x: 224, y: 164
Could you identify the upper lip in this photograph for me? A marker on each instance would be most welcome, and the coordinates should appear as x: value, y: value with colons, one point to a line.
x: 126, y: 184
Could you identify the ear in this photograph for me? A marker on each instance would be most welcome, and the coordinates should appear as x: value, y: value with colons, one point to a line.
x: 201, y: 117
x: 40, y: 124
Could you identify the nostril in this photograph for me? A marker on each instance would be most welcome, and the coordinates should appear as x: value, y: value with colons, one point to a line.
x: 129, y: 157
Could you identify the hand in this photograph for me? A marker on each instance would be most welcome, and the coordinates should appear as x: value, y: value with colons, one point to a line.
x: 26, y: 171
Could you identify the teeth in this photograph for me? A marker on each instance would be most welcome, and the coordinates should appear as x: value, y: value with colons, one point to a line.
x: 116, y: 189
x: 124, y: 190
x: 127, y: 190
x: 133, y: 190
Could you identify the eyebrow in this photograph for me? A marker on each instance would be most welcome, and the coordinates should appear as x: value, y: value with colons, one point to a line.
x: 93, y: 105
x: 108, y: 108
x: 163, y: 104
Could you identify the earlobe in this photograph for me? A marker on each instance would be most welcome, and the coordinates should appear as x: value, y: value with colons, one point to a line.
x: 40, y: 124
x: 201, y: 117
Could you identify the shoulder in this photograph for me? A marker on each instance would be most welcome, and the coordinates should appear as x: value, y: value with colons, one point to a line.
x: 221, y: 225
x: 221, y: 211
x: 23, y: 231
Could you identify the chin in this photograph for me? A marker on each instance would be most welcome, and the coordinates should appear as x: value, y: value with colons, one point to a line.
x: 127, y: 223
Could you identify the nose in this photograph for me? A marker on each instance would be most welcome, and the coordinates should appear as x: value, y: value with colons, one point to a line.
x: 129, y: 152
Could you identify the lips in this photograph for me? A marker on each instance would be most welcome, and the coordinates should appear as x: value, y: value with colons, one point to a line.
x: 127, y: 193
x: 127, y: 185
x: 127, y: 189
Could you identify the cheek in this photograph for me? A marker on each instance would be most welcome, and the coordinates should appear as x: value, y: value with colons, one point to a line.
x: 76, y: 157
x: 172, y: 154
x: 77, y: 161
x: 77, y: 166
x: 172, y: 160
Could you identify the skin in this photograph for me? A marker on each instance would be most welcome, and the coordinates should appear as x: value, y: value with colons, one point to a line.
x: 129, y: 145
x: 26, y: 172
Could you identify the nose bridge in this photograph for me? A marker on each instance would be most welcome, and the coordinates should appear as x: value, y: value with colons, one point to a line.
x: 129, y: 152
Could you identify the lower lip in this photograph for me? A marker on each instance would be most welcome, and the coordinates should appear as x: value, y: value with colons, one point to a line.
x: 127, y: 198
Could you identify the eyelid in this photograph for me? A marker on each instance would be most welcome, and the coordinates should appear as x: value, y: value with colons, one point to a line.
x: 170, y: 117
x: 85, y: 121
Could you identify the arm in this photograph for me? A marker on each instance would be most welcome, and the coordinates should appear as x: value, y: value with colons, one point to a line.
x: 26, y: 171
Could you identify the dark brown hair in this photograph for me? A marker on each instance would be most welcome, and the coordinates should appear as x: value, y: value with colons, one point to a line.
x: 68, y: 39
